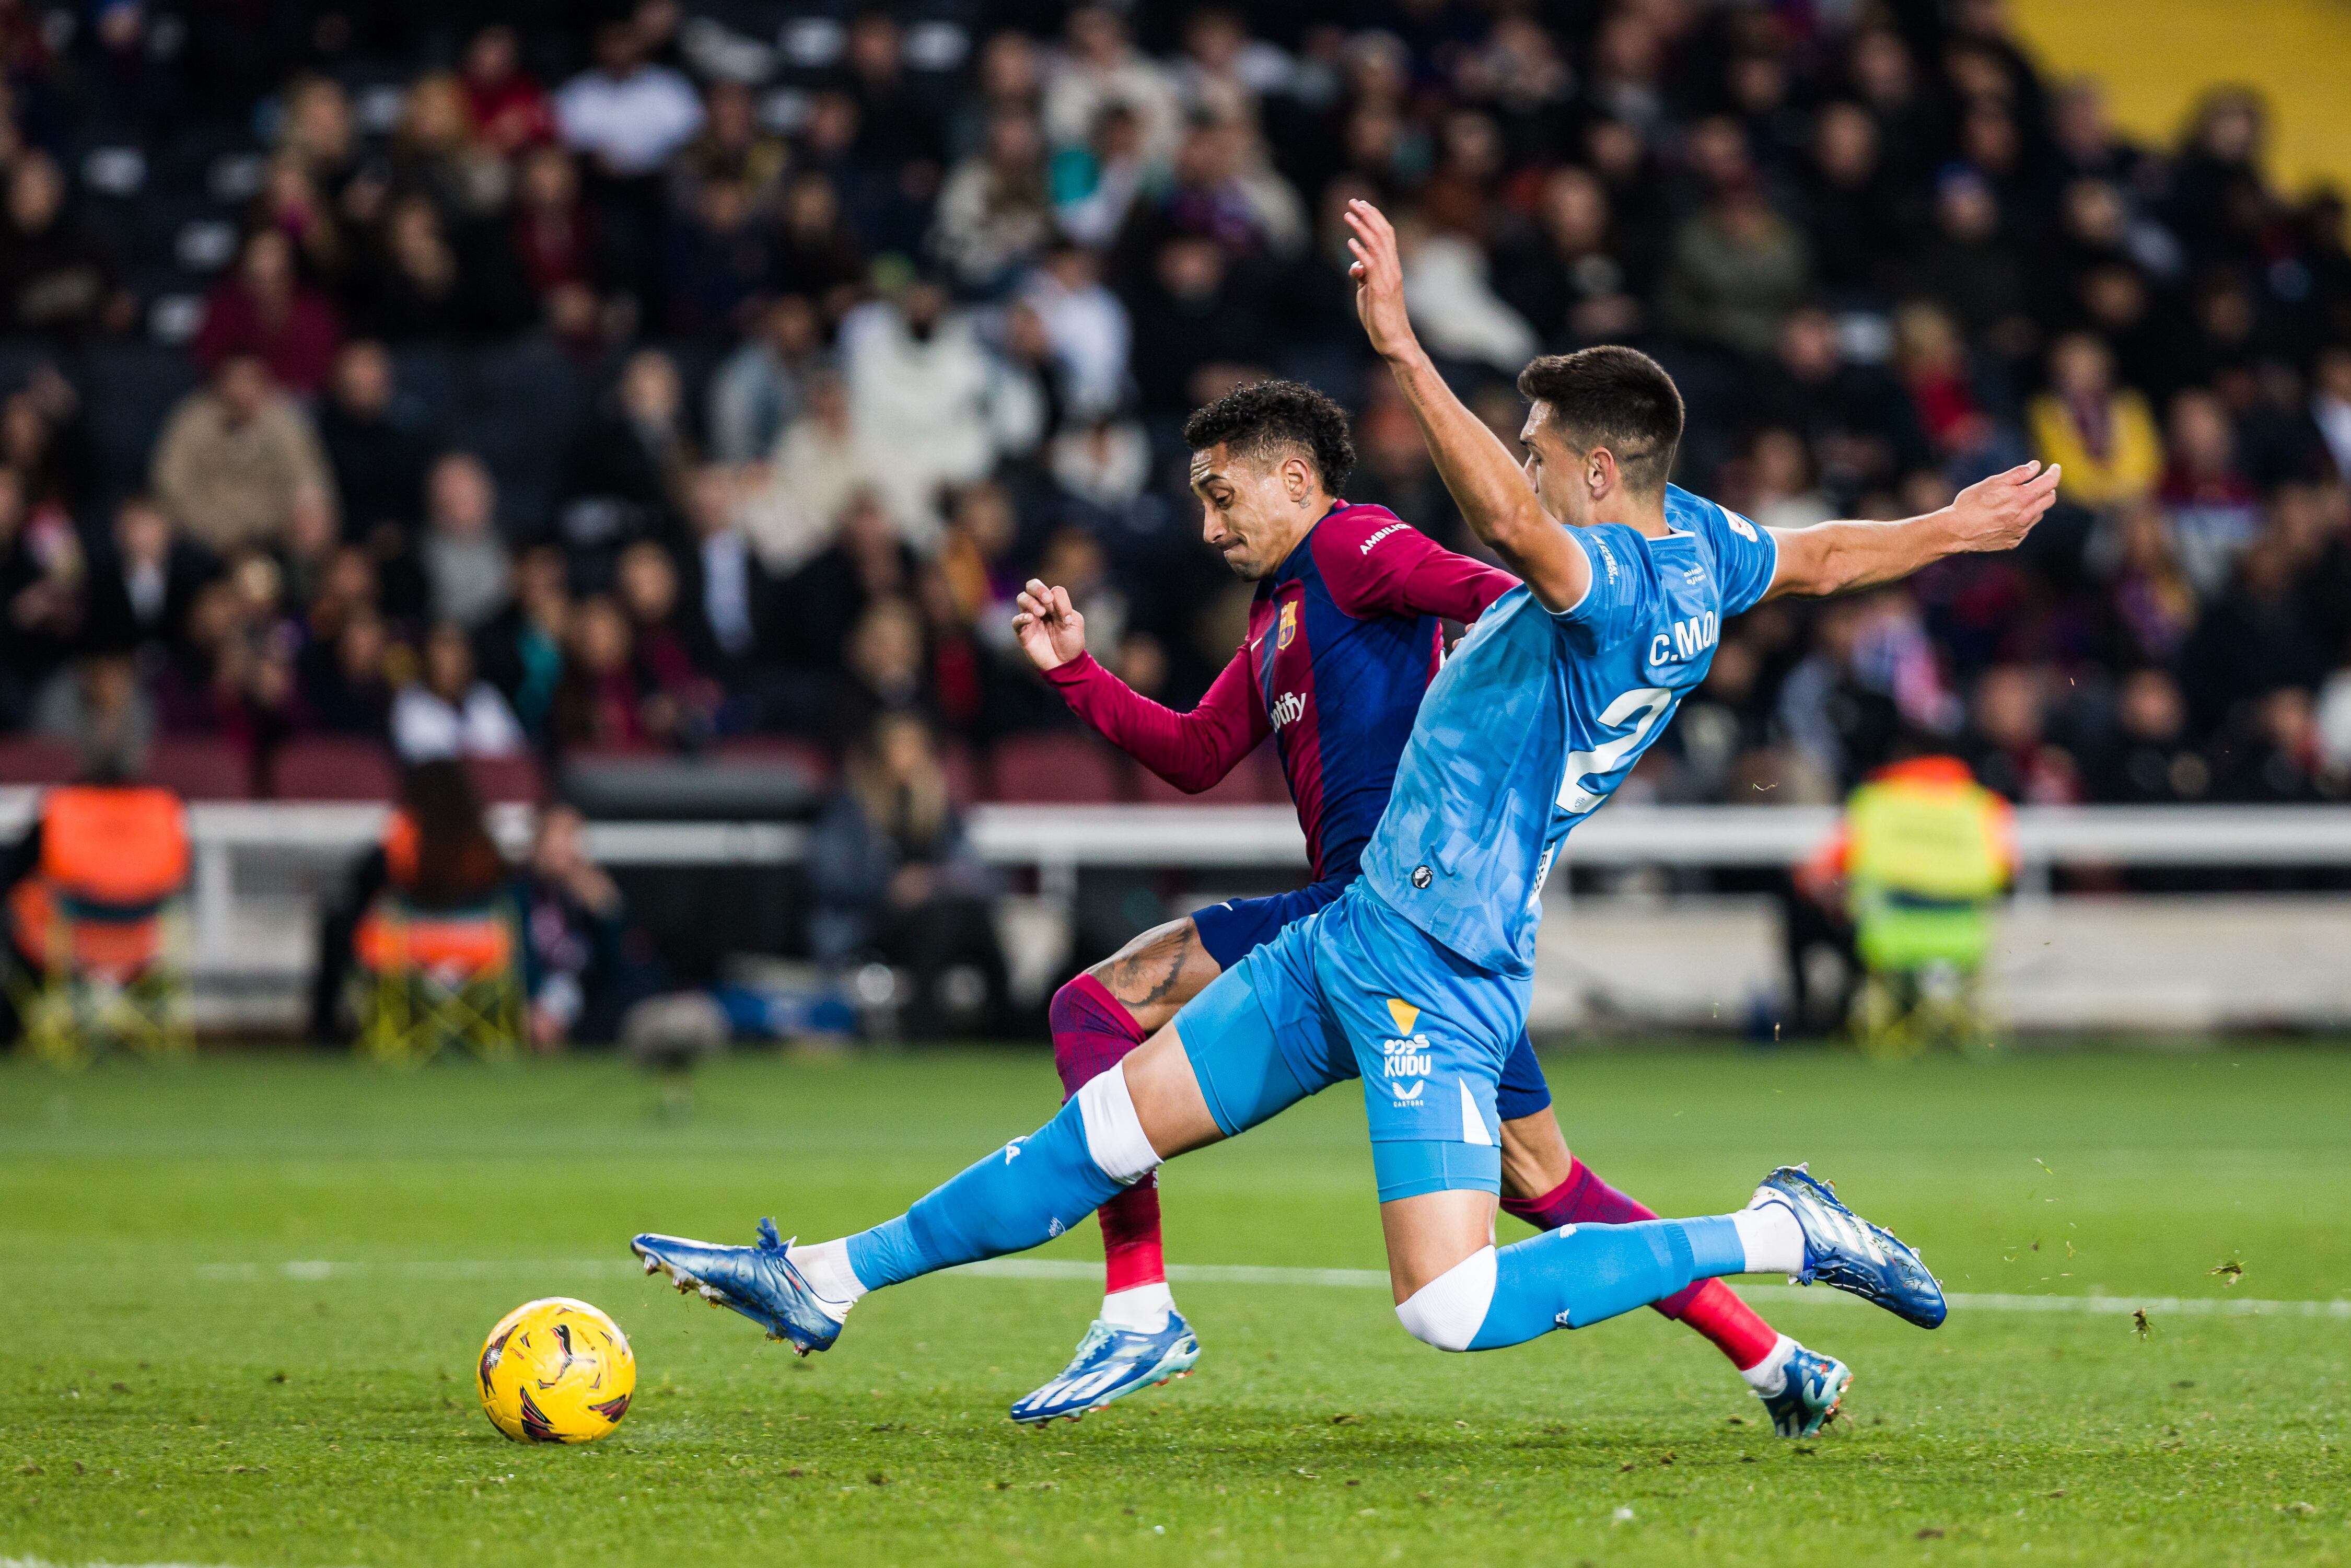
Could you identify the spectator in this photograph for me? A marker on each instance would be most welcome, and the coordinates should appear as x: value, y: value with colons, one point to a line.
x: 346, y: 690
x: 892, y: 880
x: 41, y: 595
x: 554, y: 236
x: 679, y: 702
x: 140, y: 591
x: 627, y: 114
x: 414, y: 286
x: 437, y: 151
x: 1559, y: 272
x: 622, y: 470
x: 928, y: 403
x: 2151, y: 601
x: 2213, y: 510
x: 55, y: 281
x: 730, y: 602
x: 239, y: 463
x: 264, y: 309
x: 1099, y: 68
x: 2150, y: 761
x: 448, y: 711
x: 994, y: 213
x: 717, y: 262
x: 585, y: 963
x: 732, y: 146
x: 2104, y: 437
x: 97, y: 707
x: 510, y: 111
x: 2014, y: 757
x: 375, y: 441
x: 819, y: 254
x: 464, y: 559
x: 763, y: 385
x: 819, y: 468
x: 1087, y: 327
x: 1967, y: 268
x: 1737, y: 269
x: 1191, y: 317
x: 520, y: 651
x: 597, y: 703
x: 1453, y: 306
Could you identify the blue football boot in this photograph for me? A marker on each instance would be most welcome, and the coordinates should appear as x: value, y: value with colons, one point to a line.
x: 1844, y: 1250
x: 1808, y: 1401
x: 758, y: 1281
x: 1111, y: 1364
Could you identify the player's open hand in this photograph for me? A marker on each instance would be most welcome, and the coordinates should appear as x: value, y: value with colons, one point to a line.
x: 1996, y: 513
x: 1378, y: 272
x: 1051, y: 630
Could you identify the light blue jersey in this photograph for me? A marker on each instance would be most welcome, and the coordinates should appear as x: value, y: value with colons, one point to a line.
x: 1537, y: 717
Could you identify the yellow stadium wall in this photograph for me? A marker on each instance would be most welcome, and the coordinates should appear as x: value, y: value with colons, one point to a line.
x: 2154, y: 56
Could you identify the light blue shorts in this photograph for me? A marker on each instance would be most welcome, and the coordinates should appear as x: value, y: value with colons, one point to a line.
x: 1356, y: 990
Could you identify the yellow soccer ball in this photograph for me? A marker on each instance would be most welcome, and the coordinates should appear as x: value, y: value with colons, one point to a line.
x: 556, y: 1370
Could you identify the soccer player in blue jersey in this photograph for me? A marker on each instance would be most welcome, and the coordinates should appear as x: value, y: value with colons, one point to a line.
x: 1416, y: 977
x: 1344, y: 634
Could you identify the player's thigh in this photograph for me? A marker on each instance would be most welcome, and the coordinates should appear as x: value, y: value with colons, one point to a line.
x: 1429, y: 1034
x: 1158, y: 972
x: 1255, y: 1041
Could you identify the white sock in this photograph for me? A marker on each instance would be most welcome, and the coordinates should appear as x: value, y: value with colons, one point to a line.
x: 1144, y: 1308
x: 1774, y: 1241
x: 1770, y: 1375
x: 825, y: 1266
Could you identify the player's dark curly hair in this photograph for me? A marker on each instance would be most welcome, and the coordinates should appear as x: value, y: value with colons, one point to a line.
x: 1615, y: 397
x: 1257, y: 422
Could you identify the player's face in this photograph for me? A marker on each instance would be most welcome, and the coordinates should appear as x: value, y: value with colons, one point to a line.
x: 1555, y: 468
x: 1251, y: 513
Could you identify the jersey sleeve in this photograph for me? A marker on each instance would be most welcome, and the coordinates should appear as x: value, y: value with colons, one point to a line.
x: 1745, y: 556
x: 1191, y: 750
x: 1613, y: 605
x: 1374, y: 563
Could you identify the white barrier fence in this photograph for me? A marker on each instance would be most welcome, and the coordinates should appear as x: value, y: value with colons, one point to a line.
x: 260, y: 868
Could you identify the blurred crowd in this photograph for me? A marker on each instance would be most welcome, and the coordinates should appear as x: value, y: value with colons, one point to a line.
x: 648, y: 378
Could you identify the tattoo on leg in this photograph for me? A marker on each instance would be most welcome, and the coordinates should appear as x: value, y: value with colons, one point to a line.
x: 1150, y: 970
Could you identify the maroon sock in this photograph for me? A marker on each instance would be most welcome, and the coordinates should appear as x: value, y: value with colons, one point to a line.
x: 1709, y: 1306
x: 1091, y: 1032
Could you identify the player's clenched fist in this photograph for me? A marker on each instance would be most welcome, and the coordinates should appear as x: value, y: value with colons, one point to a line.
x: 1995, y: 513
x: 1051, y: 630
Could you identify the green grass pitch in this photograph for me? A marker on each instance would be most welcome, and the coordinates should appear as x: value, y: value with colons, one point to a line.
x: 240, y: 1301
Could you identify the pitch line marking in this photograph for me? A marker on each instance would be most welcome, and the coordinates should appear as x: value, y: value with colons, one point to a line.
x: 312, y: 1270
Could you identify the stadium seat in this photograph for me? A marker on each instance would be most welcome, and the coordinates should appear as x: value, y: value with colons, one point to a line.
x: 30, y: 759
x: 432, y: 380
x: 503, y: 780
x: 806, y: 756
x: 333, y: 767
x: 201, y: 768
x: 1056, y: 769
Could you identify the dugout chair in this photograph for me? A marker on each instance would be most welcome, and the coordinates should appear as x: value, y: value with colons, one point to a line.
x: 435, y: 981
x: 98, y: 930
x: 430, y: 980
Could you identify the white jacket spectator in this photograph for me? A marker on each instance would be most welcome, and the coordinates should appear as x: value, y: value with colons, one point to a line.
x: 1088, y: 327
x: 1097, y: 68
x: 793, y: 514
x: 1457, y: 311
x: 931, y: 406
x: 449, y: 713
x: 629, y: 115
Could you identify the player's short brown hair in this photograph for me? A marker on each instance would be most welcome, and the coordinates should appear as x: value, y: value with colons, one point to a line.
x: 1615, y: 397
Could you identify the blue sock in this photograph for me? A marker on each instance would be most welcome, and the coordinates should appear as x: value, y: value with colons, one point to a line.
x: 1577, y: 1276
x: 1026, y: 1192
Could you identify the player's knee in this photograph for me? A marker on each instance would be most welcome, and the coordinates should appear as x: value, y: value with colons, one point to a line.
x: 1448, y: 1311
x: 1115, y: 1140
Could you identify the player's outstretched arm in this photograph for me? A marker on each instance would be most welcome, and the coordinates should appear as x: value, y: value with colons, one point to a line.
x: 1486, y: 483
x: 1992, y: 513
x: 1190, y: 750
